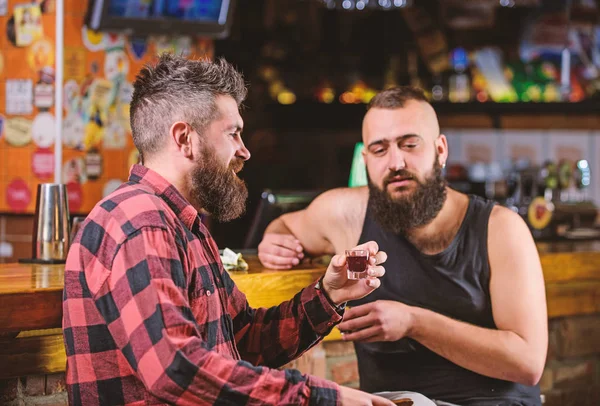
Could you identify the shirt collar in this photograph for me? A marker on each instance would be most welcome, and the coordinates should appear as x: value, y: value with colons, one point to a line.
x: 166, y: 191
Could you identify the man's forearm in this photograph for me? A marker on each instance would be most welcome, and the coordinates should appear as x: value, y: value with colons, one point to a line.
x: 494, y: 353
x: 278, y: 226
x: 277, y: 335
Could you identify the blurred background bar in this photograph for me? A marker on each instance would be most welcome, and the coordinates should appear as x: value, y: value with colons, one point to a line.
x: 515, y: 84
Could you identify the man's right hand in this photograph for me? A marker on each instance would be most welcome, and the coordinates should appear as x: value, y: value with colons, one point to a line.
x: 353, y: 397
x: 280, y: 251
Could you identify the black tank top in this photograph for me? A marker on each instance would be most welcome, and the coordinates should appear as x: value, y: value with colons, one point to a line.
x: 454, y: 283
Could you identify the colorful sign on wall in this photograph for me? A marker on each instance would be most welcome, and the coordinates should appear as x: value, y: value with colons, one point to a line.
x: 99, y: 69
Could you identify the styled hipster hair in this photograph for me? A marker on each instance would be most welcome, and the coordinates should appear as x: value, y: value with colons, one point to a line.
x: 176, y: 88
x: 396, y: 97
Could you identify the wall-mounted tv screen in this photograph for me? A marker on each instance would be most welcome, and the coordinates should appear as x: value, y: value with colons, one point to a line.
x: 207, y: 18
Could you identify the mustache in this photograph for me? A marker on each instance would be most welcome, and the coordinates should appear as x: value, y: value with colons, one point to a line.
x: 401, y: 173
x: 236, y: 165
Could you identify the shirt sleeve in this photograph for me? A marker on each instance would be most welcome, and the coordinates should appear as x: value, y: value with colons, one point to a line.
x: 144, y: 303
x: 275, y: 336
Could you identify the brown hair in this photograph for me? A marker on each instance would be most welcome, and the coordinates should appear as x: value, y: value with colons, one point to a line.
x: 176, y: 88
x: 396, y: 97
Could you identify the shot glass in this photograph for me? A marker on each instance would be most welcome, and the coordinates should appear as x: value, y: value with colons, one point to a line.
x: 357, y: 262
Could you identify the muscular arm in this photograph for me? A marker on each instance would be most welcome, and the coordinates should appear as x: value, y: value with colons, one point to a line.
x: 307, y: 227
x: 517, y: 350
x: 331, y: 221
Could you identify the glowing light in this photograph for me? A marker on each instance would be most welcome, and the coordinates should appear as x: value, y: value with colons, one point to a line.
x: 348, y: 98
x: 286, y: 97
x: 482, y: 97
x: 327, y: 96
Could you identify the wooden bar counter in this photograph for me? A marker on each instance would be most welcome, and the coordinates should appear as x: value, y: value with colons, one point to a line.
x: 31, y: 295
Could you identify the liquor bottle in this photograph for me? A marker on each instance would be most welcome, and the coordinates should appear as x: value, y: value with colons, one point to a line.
x: 460, y: 86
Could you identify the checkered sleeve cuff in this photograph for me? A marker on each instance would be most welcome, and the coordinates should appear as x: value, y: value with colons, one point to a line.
x: 323, y: 392
x: 321, y: 315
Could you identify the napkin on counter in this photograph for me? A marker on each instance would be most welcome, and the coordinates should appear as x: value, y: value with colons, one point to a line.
x: 233, y: 262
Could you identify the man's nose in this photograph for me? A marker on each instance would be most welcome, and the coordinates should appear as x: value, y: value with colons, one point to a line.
x: 243, y: 152
x: 396, y: 160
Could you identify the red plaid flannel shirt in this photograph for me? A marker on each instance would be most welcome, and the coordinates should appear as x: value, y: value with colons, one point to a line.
x: 151, y: 317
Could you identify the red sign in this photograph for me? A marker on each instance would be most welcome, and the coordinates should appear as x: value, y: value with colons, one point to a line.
x: 75, y: 196
x: 18, y: 195
x: 42, y: 163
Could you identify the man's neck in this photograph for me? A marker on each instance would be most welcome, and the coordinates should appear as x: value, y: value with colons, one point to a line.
x: 164, y: 168
x: 439, y: 233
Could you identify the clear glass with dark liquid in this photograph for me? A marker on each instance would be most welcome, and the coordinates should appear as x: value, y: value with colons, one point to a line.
x: 357, y: 262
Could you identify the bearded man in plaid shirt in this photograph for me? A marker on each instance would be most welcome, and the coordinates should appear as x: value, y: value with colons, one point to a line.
x: 150, y: 315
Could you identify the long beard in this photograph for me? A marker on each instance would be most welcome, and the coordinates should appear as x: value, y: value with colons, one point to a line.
x: 217, y: 189
x: 414, y: 210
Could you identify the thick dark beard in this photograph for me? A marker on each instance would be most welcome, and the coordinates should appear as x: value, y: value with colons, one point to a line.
x: 216, y: 189
x: 419, y: 208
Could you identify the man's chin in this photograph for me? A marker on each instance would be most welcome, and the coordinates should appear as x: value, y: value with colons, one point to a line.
x: 395, y: 193
x: 227, y: 216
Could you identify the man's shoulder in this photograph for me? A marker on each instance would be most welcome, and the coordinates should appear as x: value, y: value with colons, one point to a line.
x: 505, y: 227
x: 502, y: 218
x: 344, y: 208
x: 347, y: 198
x: 129, y: 209
x: 118, y: 218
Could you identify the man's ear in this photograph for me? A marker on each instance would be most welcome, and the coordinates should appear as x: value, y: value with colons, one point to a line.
x: 441, y: 146
x: 181, y: 134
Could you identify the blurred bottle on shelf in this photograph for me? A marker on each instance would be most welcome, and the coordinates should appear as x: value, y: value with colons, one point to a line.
x: 459, y: 89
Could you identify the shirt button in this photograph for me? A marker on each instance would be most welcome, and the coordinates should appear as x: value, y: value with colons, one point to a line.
x: 208, y: 293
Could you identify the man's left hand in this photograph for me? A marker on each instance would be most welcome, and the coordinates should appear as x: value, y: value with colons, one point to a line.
x: 340, y: 289
x: 382, y: 320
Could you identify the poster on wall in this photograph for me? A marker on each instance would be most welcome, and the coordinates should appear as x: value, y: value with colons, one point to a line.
x: 73, y: 131
x: 115, y: 136
x: 42, y: 130
x: 116, y: 65
x: 40, y: 55
x: 18, y: 195
x: 75, y: 196
x: 74, y: 65
x: 19, y: 96
x: 98, y: 73
x: 17, y: 131
x: 42, y: 164
x: 93, y: 165
x: 72, y: 96
x: 28, y: 24
x: 43, y: 96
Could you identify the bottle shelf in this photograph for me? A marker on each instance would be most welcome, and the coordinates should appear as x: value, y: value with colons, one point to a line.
x: 314, y: 115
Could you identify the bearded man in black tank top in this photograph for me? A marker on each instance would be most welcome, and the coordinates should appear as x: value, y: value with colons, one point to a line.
x: 460, y: 316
